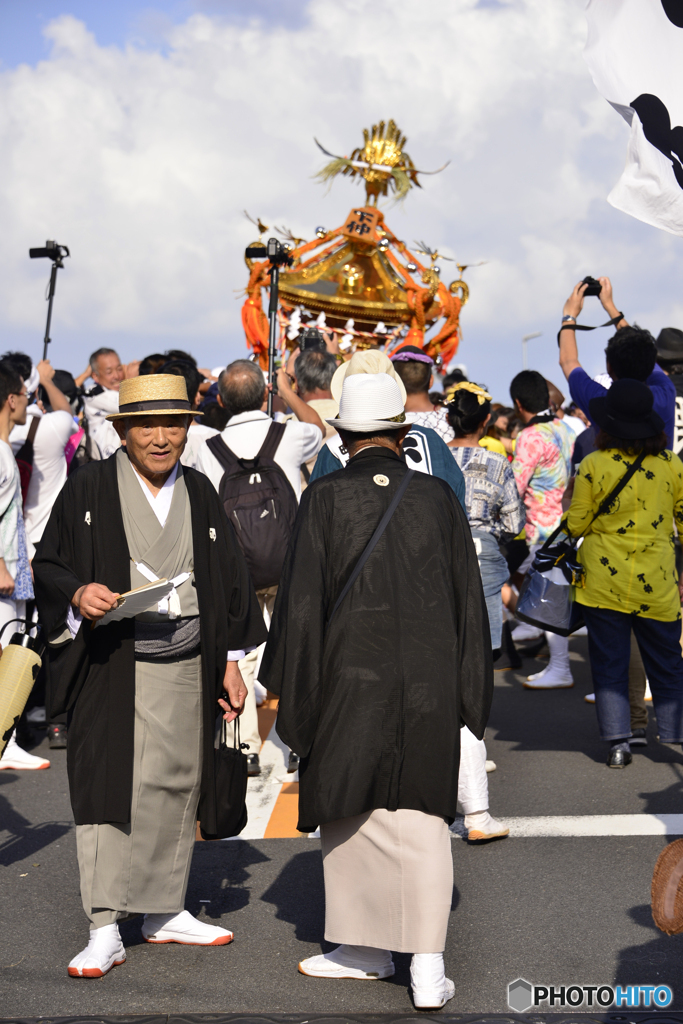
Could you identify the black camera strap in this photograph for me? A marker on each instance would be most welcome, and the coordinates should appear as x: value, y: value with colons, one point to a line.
x: 583, y: 327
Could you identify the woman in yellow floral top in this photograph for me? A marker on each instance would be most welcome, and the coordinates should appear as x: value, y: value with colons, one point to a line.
x: 628, y: 554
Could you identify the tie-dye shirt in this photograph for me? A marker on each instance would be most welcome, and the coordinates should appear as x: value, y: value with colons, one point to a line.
x: 542, y: 467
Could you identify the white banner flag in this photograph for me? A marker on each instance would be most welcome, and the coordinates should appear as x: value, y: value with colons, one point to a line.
x: 635, y: 54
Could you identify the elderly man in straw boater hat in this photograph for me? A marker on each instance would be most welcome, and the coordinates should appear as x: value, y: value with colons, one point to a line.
x: 379, y: 649
x: 143, y: 693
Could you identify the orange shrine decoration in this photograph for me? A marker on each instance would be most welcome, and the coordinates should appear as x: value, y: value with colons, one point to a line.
x: 359, y: 281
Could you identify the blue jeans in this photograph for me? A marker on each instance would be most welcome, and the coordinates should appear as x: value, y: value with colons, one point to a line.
x: 609, y: 648
x: 494, y: 573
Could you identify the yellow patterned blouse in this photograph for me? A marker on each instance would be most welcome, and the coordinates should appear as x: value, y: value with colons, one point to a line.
x: 629, y: 552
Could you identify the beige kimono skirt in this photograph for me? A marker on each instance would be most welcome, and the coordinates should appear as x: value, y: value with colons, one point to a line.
x: 388, y: 880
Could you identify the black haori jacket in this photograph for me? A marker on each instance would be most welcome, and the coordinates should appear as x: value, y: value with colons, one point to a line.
x: 373, y: 701
x: 85, y: 542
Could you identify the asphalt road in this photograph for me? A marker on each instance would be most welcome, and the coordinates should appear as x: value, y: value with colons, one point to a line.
x: 551, y: 910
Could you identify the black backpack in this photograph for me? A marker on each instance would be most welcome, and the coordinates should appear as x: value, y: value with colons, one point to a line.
x: 260, y: 503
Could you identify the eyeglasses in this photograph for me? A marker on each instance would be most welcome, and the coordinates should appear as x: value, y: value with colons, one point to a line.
x: 20, y: 394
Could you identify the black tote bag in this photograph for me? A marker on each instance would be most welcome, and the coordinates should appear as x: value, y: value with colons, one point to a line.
x: 231, y: 787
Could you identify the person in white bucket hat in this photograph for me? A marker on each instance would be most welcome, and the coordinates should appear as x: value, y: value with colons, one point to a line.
x: 422, y: 447
x: 378, y: 654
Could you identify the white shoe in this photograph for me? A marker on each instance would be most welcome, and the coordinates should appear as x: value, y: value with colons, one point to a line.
x: 549, y: 679
x: 589, y: 698
x: 36, y: 716
x: 525, y: 631
x: 260, y: 693
x: 363, y: 963
x: 490, y: 766
x: 481, y: 826
x: 431, y: 988
x: 184, y: 928
x: 104, y: 951
x: 648, y: 691
x: 18, y: 759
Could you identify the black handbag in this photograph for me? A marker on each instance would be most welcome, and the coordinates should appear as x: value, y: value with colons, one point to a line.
x: 230, y: 769
x: 550, y: 605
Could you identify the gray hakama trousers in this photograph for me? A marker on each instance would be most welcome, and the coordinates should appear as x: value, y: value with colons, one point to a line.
x: 388, y: 880
x: 143, y: 867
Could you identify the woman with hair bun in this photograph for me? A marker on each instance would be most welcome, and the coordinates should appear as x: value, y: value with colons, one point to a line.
x: 495, y: 513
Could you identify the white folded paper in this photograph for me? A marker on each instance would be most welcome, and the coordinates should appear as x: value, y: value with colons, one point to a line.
x: 134, y: 602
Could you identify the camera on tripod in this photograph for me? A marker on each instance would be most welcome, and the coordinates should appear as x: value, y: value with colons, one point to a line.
x: 274, y: 250
x: 52, y: 251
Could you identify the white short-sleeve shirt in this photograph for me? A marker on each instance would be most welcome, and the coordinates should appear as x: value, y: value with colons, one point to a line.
x: 246, y: 432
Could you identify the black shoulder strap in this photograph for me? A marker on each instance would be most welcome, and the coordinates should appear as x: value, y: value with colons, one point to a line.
x: 225, y: 455
x: 384, y: 522
x: 618, y: 488
x: 276, y: 432
x: 606, y: 503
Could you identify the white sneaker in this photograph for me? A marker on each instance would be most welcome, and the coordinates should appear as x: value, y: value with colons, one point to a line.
x: 36, y: 716
x: 260, y: 693
x: 490, y: 766
x: 363, y: 963
x: 589, y: 698
x: 549, y: 679
x: 481, y: 826
x: 525, y: 631
x: 648, y: 691
x: 431, y: 988
x: 18, y: 759
x: 104, y: 951
x: 184, y: 928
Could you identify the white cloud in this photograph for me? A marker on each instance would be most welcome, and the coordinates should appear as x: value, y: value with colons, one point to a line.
x: 143, y: 161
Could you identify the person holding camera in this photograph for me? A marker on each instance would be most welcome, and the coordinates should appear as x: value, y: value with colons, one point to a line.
x: 630, y: 353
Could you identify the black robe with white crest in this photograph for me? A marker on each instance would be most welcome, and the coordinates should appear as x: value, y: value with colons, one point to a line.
x: 373, y: 703
x: 85, y: 542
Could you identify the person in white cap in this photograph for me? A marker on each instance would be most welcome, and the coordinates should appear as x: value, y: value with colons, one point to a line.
x: 379, y: 650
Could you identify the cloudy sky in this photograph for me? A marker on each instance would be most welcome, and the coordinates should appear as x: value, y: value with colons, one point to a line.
x: 138, y: 133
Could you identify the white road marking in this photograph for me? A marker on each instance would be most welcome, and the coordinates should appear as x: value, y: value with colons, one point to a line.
x: 588, y: 825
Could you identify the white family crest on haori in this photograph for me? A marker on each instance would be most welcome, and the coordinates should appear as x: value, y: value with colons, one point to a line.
x: 634, y: 52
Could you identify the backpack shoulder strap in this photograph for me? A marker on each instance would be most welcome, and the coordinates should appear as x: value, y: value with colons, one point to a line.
x: 225, y: 455
x: 33, y: 429
x: 276, y: 432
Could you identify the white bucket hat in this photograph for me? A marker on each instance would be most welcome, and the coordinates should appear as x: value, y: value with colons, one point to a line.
x: 370, y: 401
x: 365, y: 361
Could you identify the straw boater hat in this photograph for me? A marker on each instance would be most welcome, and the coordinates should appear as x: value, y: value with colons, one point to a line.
x: 162, y: 394
x: 372, y: 361
x: 370, y: 401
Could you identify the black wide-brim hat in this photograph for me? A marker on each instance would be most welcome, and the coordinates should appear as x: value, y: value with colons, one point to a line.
x: 626, y: 411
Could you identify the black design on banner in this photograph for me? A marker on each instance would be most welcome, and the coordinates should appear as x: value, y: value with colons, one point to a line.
x: 657, y: 128
x: 674, y: 11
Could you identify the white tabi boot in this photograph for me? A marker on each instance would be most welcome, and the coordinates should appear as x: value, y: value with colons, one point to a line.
x: 104, y: 951
x: 364, y: 963
x: 183, y: 928
x: 18, y: 759
x: 557, y: 675
x: 431, y: 988
x: 481, y: 826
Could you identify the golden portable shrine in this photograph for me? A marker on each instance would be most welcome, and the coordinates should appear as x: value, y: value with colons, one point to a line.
x: 359, y: 281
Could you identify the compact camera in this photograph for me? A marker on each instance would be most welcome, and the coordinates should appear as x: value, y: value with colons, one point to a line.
x: 594, y: 287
